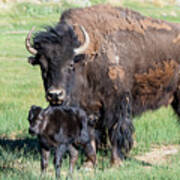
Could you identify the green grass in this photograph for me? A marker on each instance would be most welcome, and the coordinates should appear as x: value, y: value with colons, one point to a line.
x: 21, y: 86
x: 156, y: 12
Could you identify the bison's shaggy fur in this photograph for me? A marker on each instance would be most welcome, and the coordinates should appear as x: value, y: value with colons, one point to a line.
x: 103, y: 20
x: 155, y: 87
x: 131, y: 65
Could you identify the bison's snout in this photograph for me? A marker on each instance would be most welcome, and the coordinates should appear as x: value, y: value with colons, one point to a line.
x: 56, y: 96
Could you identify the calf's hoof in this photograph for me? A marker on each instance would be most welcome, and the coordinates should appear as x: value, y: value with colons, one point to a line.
x: 88, y: 166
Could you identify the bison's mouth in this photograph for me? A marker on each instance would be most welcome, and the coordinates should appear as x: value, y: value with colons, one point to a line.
x: 55, y: 103
x: 55, y: 100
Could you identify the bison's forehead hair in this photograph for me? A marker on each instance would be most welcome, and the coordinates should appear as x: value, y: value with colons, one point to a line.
x: 56, y: 35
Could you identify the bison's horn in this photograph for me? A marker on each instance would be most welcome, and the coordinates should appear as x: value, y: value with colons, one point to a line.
x: 82, y: 48
x: 28, y: 44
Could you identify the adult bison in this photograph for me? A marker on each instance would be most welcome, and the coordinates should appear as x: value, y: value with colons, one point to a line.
x: 112, y: 62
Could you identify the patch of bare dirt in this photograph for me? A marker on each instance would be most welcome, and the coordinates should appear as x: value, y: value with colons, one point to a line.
x: 13, y: 135
x: 159, y: 154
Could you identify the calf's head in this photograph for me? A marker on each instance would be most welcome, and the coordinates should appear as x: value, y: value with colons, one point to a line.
x: 36, y: 120
x: 55, y: 51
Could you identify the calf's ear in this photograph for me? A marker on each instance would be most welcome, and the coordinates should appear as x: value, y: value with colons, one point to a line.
x: 34, y: 112
x: 35, y: 109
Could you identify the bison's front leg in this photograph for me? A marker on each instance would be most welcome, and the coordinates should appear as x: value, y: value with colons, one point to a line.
x: 60, y: 150
x: 121, y: 131
x: 91, y: 147
x: 176, y: 101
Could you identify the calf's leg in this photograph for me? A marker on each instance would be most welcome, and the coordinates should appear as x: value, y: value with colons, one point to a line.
x: 73, y: 158
x: 44, y: 159
x: 59, y: 152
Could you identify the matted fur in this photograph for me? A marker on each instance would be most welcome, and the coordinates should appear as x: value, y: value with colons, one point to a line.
x: 156, y: 87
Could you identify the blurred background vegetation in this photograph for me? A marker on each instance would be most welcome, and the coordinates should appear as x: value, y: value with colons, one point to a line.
x: 41, y: 1
x: 160, y: 3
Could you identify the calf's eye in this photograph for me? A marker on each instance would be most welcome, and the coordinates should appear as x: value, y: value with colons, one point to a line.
x: 71, y: 66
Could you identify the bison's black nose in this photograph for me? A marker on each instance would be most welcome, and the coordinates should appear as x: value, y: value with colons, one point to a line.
x: 56, y: 96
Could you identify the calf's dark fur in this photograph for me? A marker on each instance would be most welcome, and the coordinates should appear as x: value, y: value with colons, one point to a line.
x: 62, y: 128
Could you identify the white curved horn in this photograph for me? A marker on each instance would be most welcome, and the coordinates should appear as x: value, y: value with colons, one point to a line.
x: 28, y: 43
x: 82, y: 48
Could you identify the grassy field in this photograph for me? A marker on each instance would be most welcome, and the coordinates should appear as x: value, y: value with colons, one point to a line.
x: 21, y: 86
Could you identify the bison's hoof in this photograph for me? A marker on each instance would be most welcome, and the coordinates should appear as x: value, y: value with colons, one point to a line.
x: 116, y: 163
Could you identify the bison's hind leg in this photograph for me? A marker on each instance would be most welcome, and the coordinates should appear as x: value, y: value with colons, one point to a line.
x: 176, y: 103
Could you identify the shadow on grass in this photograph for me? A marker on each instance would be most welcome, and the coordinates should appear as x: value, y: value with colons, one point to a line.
x: 9, y: 169
x: 29, y: 147
x: 22, y: 146
x: 15, y: 155
x: 140, y: 162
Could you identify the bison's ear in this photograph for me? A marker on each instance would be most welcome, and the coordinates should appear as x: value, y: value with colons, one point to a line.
x: 32, y: 61
x: 79, y: 58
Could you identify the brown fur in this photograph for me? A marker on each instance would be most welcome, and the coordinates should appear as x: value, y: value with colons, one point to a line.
x: 102, y: 20
x: 177, y: 39
x: 155, y: 87
x: 158, y: 25
x: 116, y: 72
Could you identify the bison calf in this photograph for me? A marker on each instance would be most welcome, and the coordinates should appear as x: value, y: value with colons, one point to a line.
x: 62, y: 128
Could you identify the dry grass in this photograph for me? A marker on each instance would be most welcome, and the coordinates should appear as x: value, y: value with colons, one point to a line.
x: 159, y: 155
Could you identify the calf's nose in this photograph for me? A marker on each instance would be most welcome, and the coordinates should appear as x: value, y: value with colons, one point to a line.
x: 31, y: 131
